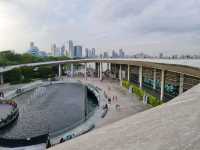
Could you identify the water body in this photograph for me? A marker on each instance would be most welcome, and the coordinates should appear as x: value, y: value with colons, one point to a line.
x: 53, y: 109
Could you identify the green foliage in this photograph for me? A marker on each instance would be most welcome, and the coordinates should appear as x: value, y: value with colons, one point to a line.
x: 27, y: 74
x: 45, y: 72
x: 13, y: 76
x: 153, y: 101
x: 125, y: 84
x: 11, y: 58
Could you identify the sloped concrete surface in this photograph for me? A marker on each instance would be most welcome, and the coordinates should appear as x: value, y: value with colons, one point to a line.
x: 172, y: 126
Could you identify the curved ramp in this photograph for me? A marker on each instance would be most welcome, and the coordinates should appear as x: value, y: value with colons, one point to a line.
x: 175, y: 125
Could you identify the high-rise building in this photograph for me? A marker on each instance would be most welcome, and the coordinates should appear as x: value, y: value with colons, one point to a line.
x: 114, y: 54
x: 87, y: 52
x: 121, y: 53
x: 62, y: 51
x: 93, y: 52
x: 105, y: 55
x: 77, y: 51
x: 71, y: 49
x: 33, y: 50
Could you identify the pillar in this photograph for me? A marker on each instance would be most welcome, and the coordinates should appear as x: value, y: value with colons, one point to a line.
x: 108, y: 66
x: 181, y: 84
x: 128, y: 72
x: 85, y: 71
x: 101, y: 69
x: 154, y: 79
x: 98, y: 69
x: 140, y: 76
x: 59, y: 70
x: 72, y: 70
x: 1, y: 78
x: 120, y: 72
x: 162, y: 85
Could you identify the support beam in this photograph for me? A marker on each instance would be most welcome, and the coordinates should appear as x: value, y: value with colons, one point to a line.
x: 140, y: 76
x: 181, y: 84
x: 98, y: 69
x: 108, y: 64
x: 72, y: 70
x: 85, y: 73
x: 1, y: 78
x: 101, y: 70
x: 128, y: 72
x: 154, y: 79
x: 59, y: 70
x: 120, y: 72
x: 162, y: 85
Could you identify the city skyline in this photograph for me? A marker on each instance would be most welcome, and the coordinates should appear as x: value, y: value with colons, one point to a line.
x: 145, y: 26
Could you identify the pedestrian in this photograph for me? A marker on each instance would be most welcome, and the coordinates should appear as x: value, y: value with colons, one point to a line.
x: 62, y: 140
x: 116, y: 98
x: 117, y: 107
x: 109, y: 100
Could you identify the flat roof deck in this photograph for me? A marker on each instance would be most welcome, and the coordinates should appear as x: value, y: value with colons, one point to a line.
x: 174, y: 125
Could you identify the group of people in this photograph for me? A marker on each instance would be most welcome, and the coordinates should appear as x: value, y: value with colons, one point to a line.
x: 113, y: 99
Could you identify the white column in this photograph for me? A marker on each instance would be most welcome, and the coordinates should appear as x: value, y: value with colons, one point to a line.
x: 107, y: 66
x: 85, y: 71
x: 140, y: 76
x: 72, y: 70
x: 110, y: 66
x: 1, y: 78
x: 59, y: 70
x: 120, y: 72
x: 128, y: 72
x: 101, y: 69
x: 181, y: 84
x: 98, y: 69
x: 162, y: 85
x: 154, y: 79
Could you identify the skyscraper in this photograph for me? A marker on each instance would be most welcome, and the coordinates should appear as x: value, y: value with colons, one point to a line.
x: 71, y: 49
x: 93, y: 52
x: 33, y: 50
x: 86, y: 52
x: 77, y: 51
x: 121, y: 53
x: 54, y: 50
x: 62, y: 51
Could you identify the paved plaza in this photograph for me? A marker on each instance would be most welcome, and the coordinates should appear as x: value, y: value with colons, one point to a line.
x: 129, y: 104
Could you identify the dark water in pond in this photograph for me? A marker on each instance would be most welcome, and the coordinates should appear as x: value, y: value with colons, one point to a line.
x: 54, y: 108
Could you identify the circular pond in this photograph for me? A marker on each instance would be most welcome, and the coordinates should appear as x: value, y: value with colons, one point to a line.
x: 52, y: 109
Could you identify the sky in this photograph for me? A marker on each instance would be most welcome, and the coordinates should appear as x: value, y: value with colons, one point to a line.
x: 149, y: 26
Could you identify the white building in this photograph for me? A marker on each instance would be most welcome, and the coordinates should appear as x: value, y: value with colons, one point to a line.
x: 71, y: 49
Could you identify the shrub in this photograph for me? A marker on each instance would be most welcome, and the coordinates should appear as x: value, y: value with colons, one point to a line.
x: 152, y: 100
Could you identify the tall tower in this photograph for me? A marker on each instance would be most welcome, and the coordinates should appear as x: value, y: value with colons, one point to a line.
x: 71, y: 49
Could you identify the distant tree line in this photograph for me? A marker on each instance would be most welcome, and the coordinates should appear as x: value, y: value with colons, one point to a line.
x: 27, y: 74
x: 11, y: 58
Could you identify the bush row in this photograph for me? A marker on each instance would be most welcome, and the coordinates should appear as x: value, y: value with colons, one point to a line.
x: 152, y: 100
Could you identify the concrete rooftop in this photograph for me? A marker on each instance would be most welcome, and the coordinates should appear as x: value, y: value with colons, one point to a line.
x: 171, y: 126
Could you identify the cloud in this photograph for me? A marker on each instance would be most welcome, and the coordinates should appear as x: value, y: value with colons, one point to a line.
x: 147, y: 25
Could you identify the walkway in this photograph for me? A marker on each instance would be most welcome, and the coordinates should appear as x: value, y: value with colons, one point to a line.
x: 129, y: 104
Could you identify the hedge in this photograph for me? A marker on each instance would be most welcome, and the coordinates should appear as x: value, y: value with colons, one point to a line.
x: 152, y: 100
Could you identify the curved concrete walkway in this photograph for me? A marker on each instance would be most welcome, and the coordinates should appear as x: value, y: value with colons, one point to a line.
x: 129, y: 104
